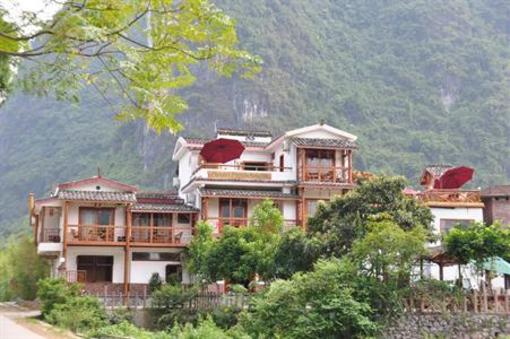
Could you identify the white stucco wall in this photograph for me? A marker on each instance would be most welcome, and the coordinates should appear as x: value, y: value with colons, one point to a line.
x: 141, y: 271
x: 450, y: 273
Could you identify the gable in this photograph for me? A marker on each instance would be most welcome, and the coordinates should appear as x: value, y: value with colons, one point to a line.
x: 97, y: 183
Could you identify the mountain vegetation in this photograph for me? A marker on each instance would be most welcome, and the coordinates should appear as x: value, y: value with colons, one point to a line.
x: 418, y: 81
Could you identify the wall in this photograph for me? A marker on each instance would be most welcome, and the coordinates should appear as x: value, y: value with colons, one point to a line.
x: 497, y: 209
x: 141, y: 271
x: 460, y: 325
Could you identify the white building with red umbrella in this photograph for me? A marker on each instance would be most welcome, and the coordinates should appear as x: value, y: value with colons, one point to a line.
x: 451, y: 205
x: 226, y: 176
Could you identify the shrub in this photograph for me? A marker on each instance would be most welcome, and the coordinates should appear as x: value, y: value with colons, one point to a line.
x: 155, y: 282
x: 205, y: 329
x: 170, y: 305
x: 310, y: 305
x: 225, y: 317
x: 51, y: 292
x: 125, y: 329
x: 78, y: 314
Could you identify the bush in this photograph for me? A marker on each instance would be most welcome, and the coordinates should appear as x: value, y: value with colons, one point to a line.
x: 225, y: 317
x: 78, y: 314
x: 205, y: 329
x: 126, y: 329
x: 310, y: 305
x: 155, y: 282
x: 170, y: 305
x: 51, y: 292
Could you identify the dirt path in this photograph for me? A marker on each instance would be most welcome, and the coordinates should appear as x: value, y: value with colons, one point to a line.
x: 20, y: 323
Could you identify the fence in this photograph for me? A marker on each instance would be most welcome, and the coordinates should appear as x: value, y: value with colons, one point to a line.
x: 199, y: 302
x: 474, y: 302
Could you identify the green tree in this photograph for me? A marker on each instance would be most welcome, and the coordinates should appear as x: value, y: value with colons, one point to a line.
x: 477, y: 243
x: 388, y: 252
x: 310, y: 305
x: 20, y: 269
x: 198, y: 250
x: 295, y: 252
x: 52, y: 292
x: 147, y: 50
x: 266, y: 217
x: 339, y: 223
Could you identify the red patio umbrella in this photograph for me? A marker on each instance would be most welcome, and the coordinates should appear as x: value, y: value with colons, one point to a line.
x: 222, y: 150
x: 454, y: 177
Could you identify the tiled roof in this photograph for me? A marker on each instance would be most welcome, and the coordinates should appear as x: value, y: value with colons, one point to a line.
x: 170, y: 195
x: 233, y: 131
x: 201, y: 141
x: 144, y: 207
x: 327, y: 143
x: 246, y: 193
x: 96, y: 196
x: 496, y: 191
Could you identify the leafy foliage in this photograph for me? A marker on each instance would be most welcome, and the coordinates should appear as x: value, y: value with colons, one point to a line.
x: 20, y: 269
x: 339, y: 223
x: 295, y: 253
x: 314, y: 304
x: 78, y: 314
x: 52, y: 292
x: 170, y: 303
x: 155, y: 282
x: 388, y: 252
x: 144, y: 49
x: 266, y: 217
x: 477, y: 243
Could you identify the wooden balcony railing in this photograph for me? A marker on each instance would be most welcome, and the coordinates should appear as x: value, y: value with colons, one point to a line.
x: 450, y: 195
x: 161, y: 235
x: 74, y: 276
x: 243, y: 167
x: 139, y: 234
x: 50, y: 235
x: 338, y: 175
x: 220, y: 223
x: 96, y: 233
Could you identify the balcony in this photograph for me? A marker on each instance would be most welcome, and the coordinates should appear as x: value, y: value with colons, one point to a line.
x: 50, y: 235
x: 82, y: 234
x: 326, y: 175
x: 452, y: 197
x: 175, y: 236
x: 140, y: 235
x: 219, y: 223
x: 242, y: 173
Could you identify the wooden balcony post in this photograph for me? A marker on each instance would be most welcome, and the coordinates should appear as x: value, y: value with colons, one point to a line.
x: 350, y: 166
x: 127, y: 255
x: 64, y: 236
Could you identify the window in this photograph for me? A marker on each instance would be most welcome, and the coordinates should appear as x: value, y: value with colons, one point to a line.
x: 156, y: 256
x: 282, y: 163
x: 311, y: 207
x: 97, y: 268
x: 507, y: 281
x: 173, y: 273
x: 162, y: 220
x: 96, y: 216
x: 141, y: 219
x: 447, y: 224
x: 233, y: 211
x: 183, y: 218
x: 255, y: 166
x: 320, y: 158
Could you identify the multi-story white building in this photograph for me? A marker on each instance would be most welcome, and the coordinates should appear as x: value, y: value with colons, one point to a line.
x: 106, y: 233
x: 295, y: 169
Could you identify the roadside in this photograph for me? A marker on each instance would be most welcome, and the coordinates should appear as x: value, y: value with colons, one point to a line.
x: 20, y: 322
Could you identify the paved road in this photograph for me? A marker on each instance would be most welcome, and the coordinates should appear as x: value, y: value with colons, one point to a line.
x: 11, y: 330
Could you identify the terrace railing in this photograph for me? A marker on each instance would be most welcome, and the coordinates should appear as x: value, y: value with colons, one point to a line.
x: 161, y: 235
x: 450, y: 195
x: 320, y: 174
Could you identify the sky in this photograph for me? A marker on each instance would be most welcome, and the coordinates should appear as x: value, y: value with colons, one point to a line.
x: 44, y: 8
